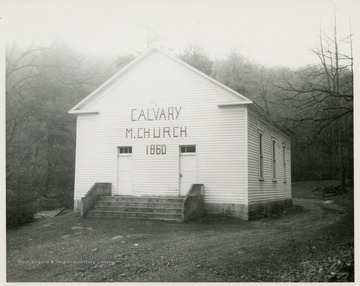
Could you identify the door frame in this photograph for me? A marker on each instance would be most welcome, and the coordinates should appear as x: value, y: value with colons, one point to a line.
x: 118, y: 156
x: 186, y: 154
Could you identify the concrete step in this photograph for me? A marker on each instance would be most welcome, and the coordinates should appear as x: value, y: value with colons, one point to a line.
x: 128, y: 214
x: 142, y: 207
x: 106, y: 203
x: 142, y: 218
x: 141, y: 199
x: 160, y: 210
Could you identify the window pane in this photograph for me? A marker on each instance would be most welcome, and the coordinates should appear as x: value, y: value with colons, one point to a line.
x: 125, y: 150
x: 188, y: 149
x: 284, y: 154
x: 191, y: 149
x: 274, y: 158
x: 261, y: 158
x: 274, y: 149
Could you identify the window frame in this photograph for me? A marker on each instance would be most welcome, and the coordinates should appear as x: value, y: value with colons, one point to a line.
x: 128, y: 150
x: 186, y: 149
x: 284, y: 161
x: 261, y: 155
x: 273, y: 159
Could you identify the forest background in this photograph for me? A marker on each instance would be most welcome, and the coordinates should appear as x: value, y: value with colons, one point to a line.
x: 314, y: 102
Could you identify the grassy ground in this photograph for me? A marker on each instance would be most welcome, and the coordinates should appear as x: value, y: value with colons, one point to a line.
x: 302, y: 243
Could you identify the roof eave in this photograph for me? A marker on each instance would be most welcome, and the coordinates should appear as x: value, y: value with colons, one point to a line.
x: 110, y: 81
x: 256, y: 108
x: 231, y: 104
x: 84, y: 112
x: 204, y: 75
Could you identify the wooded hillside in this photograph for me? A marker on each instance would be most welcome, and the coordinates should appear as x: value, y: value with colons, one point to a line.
x: 42, y: 83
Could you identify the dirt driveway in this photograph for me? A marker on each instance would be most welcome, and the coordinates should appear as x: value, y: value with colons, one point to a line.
x: 68, y: 248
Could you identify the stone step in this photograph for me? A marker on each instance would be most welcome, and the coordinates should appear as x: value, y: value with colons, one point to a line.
x: 142, y: 218
x: 144, y: 215
x: 141, y: 199
x: 106, y: 203
x: 139, y: 209
x: 167, y: 208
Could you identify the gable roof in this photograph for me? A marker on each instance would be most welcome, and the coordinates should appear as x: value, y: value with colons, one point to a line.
x: 261, y: 113
x: 77, y: 108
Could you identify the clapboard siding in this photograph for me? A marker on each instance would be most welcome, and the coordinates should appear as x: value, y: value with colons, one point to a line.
x: 159, y: 81
x: 267, y: 189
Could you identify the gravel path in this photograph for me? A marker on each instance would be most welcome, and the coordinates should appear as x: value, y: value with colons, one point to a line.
x: 67, y: 248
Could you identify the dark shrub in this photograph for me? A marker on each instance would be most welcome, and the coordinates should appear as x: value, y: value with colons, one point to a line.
x: 18, y: 210
x: 47, y: 204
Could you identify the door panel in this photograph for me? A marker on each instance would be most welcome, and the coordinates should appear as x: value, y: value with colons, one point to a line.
x: 125, y: 174
x: 187, y: 172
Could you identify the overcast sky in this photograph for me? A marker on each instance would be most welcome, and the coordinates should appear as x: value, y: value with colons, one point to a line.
x: 271, y: 32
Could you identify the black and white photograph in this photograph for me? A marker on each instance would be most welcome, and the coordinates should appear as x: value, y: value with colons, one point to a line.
x: 179, y: 140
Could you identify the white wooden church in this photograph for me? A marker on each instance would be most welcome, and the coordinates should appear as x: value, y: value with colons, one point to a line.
x: 159, y: 128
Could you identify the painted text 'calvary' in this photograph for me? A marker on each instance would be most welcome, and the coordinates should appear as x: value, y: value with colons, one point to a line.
x: 153, y: 114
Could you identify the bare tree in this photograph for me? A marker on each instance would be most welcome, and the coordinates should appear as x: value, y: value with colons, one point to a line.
x: 197, y: 57
x: 41, y: 86
x: 233, y: 71
x: 321, y: 96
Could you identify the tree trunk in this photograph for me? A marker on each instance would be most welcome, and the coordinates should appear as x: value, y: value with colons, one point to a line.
x: 341, y: 163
